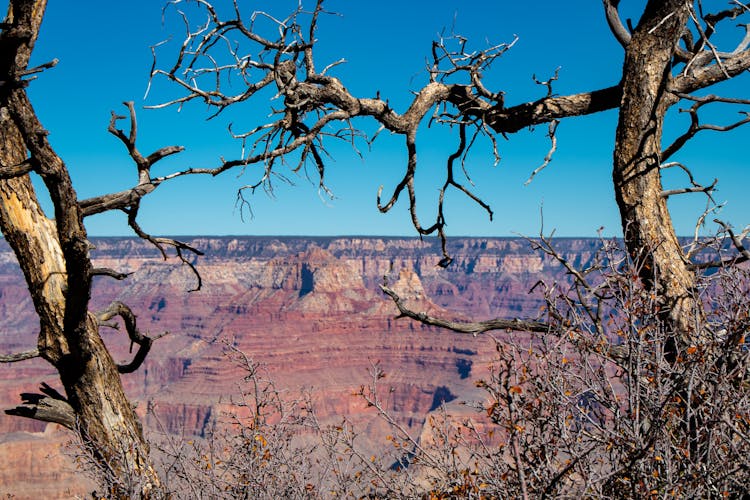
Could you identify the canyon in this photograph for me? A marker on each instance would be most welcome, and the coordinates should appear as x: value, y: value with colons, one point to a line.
x: 309, y: 309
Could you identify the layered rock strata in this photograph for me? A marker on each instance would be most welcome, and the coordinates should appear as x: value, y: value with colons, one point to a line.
x: 308, y: 308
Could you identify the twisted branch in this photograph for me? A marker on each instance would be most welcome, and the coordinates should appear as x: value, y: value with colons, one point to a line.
x: 144, y: 342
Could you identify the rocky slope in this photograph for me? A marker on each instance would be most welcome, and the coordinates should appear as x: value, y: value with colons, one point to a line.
x: 308, y: 308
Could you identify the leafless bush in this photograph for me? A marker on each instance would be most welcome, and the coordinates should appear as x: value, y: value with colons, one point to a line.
x: 652, y: 414
x: 610, y: 404
x: 99, y: 465
x: 252, y: 451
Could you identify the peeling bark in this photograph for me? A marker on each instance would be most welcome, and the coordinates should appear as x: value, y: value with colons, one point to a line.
x: 647, y: 225
x: 54, y: 258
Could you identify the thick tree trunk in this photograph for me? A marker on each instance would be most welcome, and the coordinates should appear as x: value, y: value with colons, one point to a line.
x: 647, y: 226
x: 53, y: 255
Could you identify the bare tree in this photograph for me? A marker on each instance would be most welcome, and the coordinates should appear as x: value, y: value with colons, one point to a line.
x: 669, y: 54
x: 53, y: 253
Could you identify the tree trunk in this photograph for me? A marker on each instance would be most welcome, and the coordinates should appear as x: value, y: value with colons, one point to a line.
x: 53, y: 255
x: 647, y: 225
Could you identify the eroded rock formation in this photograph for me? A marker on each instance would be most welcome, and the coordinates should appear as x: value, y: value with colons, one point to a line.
x: 308, y: 308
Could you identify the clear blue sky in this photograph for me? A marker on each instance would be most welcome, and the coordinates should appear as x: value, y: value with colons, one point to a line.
x: 104, y: 54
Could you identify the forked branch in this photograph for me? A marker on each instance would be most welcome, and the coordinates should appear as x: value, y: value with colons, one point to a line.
x: 695, y: 124
x: 128, y: 201
x: 146, y: 183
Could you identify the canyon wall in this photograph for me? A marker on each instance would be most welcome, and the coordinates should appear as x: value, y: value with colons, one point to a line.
x: 309, y: 309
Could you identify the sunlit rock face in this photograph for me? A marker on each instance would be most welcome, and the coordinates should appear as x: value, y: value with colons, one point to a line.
x: 310, y: 309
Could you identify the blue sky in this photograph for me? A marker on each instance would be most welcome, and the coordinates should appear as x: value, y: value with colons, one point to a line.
x: 104, y: 54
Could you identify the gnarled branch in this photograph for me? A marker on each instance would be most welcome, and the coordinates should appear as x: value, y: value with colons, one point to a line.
x: 50, y: 406
x: 471, y: 327
x: 144, y: 342
x: 316, y: 103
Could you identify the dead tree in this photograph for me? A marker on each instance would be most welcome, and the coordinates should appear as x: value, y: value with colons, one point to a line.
x: 669, y: 54
x: 53, y: 253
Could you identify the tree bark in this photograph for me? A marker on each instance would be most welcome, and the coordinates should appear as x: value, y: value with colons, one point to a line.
x: 647, y: 225
x: 54, y: 258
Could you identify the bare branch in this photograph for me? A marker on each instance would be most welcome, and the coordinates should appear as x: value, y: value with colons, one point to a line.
x: 314, y: 102
x: 11, y: 171
x: 695, y: 189
x: 50, y: 406
x: 146, y: 184
x: 470, y: 327
x: 161, y: 244
x: 696, y: 126
x: 105, y: 271
x: 115, y: 201
x: 615, y: 24
x: 129, y: 200
x: 711, y: 74
x: 144, y: 342
x: 553, y: 147
x: 736, y: 240
x: 548, y: 83
x: 19, y: 356
x: 39, y: 69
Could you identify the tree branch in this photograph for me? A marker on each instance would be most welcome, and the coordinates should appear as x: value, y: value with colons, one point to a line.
x: 695, y: 189
x: 161, y: 243
x: 696, y: 126
x: 50, y: 406
x: 314, y: 103
x: 470, y: 327
x: 19, y: 356
x: 11, y: 171
x: 615, y: 24
x: 105, y: 271
x: 146, y: 184
x: 136, y: 337
x: 744, y: 253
